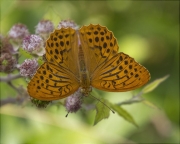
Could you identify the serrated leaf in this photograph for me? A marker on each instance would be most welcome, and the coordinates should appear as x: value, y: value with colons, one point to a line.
x: 154, y: 84
x: 150, y: 104
x: 102, y: 112
x: 123, y: 113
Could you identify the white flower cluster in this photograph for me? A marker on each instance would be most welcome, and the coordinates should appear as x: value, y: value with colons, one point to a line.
x: 73, y: 102
x: 32, y: 42
x: 28, y: 67
x: 67, y: 23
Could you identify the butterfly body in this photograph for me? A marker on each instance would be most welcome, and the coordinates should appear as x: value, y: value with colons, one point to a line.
x: 83, y: 72
x: 85, y: 58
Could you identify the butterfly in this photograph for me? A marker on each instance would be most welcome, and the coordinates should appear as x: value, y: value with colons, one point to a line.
x: 85, y: 58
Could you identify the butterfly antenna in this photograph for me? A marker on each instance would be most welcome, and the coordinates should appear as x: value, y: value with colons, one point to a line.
x: 67, y: 114
x: 103, y: 103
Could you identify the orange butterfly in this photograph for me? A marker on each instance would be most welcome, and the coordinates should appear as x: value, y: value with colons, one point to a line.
x: 84, y: 58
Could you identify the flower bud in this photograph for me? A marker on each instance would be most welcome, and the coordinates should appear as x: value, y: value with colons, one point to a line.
x: 28, y: 67
x: 44, y: 28
x: 17, y: 33
x: 73, y: 102
x: 7, y: 62
x: 6, y: 46
x: 67, y: 23
x: 34, y: 44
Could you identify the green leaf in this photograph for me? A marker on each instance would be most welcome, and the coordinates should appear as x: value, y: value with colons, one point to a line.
x: 123, y: 113
x: 150, y: 104
x: 40, y: 103
x: 52, y: 15
x: 25, y: 53
x: 40, y: 60
x: 102, y: 111
x: 154, y: 84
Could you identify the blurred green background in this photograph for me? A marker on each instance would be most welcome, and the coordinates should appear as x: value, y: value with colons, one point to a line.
x: 145, y: 30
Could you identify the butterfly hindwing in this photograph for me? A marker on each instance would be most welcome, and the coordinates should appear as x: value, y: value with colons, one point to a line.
x: 120, y: 73
x: 51, y: 83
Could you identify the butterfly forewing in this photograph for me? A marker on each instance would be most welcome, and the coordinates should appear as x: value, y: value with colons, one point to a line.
x: 99, y: 46
x: 51, y: 82
x: 61, y: 49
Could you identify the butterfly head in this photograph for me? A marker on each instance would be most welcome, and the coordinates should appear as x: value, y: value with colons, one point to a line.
x: 86, y: 90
